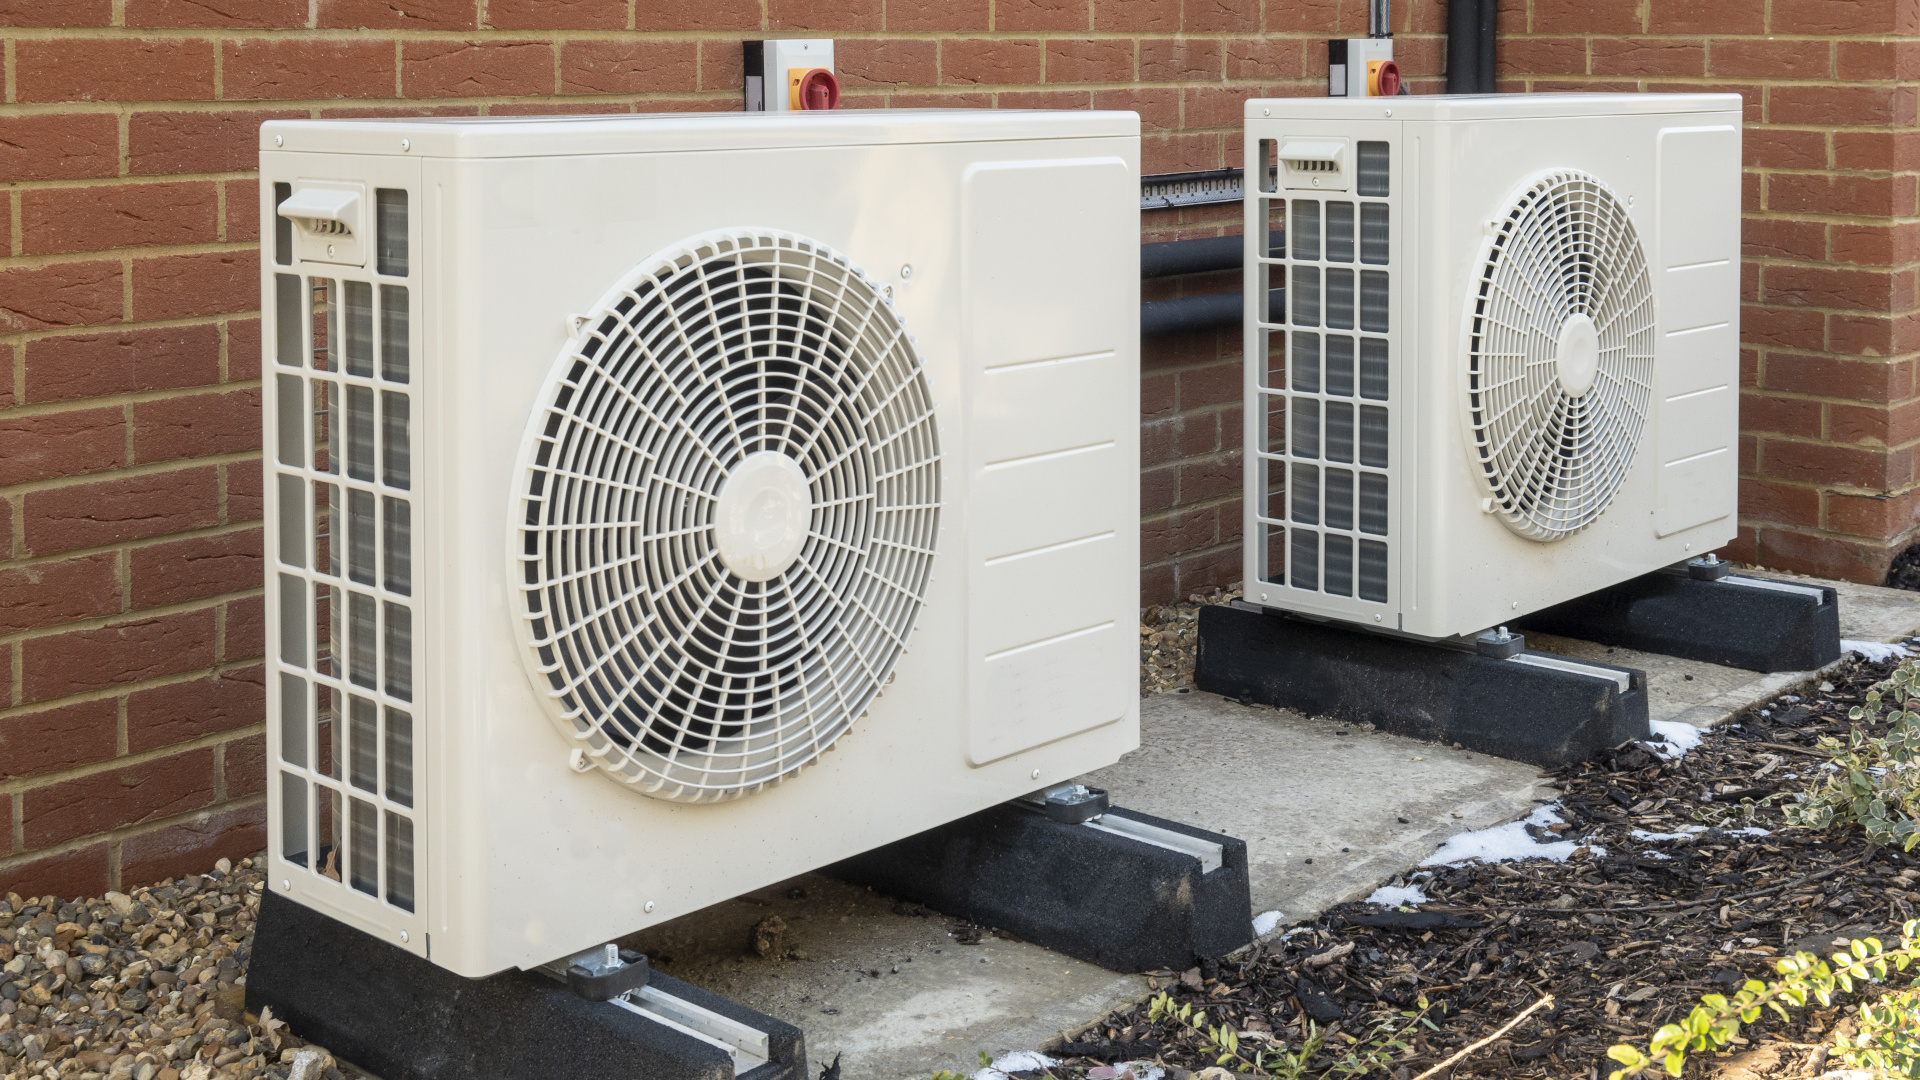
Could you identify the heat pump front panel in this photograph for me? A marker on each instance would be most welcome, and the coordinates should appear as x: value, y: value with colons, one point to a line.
x: 1326, y: 391
x: 1032, y: 364
x: 1455, y: 567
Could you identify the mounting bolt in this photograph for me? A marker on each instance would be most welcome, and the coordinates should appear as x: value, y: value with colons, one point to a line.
x: 279, y: 140
x: 287, y: 884
x: 906, y: 272
x: 404, y: 937
x: 649, y: 907
x: 577, y: 760
x: 1036, y: 774
x: 1499, y: 644
x: 406, y: 145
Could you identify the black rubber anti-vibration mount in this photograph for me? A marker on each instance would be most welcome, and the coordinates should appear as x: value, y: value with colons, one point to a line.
x: 404, y: 1018
x: 1543, y: 715
x: 1112, y: 900
x: 598, y: 984
x: 1759, y: 627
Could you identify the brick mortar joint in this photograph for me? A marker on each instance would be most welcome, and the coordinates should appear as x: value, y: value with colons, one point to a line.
x: 129, y: 547
x: 143, y: 469
x: 27, y: 410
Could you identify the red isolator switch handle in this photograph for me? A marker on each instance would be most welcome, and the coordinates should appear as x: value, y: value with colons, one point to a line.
x: 1386, y: 79
x: 819, y: 90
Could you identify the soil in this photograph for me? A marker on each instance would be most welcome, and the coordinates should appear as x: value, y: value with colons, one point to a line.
x: 1904, y: 573
x: 1625, y: 940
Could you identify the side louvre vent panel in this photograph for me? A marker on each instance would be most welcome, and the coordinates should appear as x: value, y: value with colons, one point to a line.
x: 342, y: 513
x: 1322, y: 469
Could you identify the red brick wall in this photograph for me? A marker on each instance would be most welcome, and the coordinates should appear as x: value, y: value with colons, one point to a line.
x: 1830, y: 327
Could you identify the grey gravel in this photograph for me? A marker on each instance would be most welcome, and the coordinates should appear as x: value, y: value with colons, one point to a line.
x: 1169, y: 636
x: 148, y: 985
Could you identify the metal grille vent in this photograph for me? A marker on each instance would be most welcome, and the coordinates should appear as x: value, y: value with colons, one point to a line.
x: 1560, y: 356
x: 730, y: 496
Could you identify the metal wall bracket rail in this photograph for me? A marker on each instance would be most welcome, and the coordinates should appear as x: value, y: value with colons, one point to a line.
x: 1162, y: 190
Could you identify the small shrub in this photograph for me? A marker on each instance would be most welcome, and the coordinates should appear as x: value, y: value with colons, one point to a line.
x: 1875, y: 782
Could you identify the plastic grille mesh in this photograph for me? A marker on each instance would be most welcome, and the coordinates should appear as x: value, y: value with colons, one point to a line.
x: 668, y: 670
x: 1553, y: 461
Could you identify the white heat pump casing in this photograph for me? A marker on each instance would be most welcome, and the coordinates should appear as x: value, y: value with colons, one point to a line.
x: 1005, y: 240
x: 1455, y: 165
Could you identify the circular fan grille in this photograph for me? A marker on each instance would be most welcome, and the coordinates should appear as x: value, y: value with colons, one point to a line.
x: 1560, y: 356
x: 730, y: 493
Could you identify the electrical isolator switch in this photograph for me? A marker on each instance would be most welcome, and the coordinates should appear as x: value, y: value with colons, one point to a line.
x: 790, y: 75
x: 812, y: 89
x: 1383, y: 78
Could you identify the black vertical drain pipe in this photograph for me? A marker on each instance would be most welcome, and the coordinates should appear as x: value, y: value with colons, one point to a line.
x: 1472, y: 26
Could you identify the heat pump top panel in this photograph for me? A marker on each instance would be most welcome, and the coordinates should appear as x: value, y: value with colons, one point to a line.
x: 518, y: 136
x: 1493, y: 364
x: 1418, y: 108
x: 660, y: 507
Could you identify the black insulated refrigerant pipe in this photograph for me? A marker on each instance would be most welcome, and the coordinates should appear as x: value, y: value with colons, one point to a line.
x: 1202, y: 256
x: 1472, y: 28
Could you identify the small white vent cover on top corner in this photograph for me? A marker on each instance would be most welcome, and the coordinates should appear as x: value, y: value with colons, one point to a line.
x: 728, y: 504
x: 1560, y: 354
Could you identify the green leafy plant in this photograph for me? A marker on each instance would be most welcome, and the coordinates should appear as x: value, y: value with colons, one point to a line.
x: 1363, y: 1056
x: 1875, y: 782
x: 1887, y: 1042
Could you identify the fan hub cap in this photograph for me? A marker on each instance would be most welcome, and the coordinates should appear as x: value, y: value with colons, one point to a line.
x: 761, y: 519
x: 1576, y: 357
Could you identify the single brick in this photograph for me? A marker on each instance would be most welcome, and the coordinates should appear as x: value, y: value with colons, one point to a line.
x: 476, y: 69
x: 119, y: 797
x: 398, y: 15
x: 194, y: 845
x: 62, y: 294
x: 1180, y: 59
x: 62, y: 13
x: 73, y: 146
x: 47, y: 446
x: 182, y: 286
x: 1137, y: 16
x: 1585, y: 17
x: 74, y: 873
x: 79, y: 661
x: 867, y: 63
x: 1768, y: 415
x: 1041, y: 15
x: 226, y: 422
x: 557, y: 14
x: 628, y: 67
x: 183, y: 711
x: 159, y: 143
x: 824, y: 15
x: 244, y: 498
x: 54, y: 740
x: 243, y: 769
x: 257, y: 68
x: 1842, y: 106
x: 243, y: 210
x: 1072, y: 60
x: 196, y: 568
x: 1843, y: 17
x: 243, y: 349
x: 1648, y: 56
x: 246, y: 633
x: 61, y: 220
x: 1781, y: 504
x: 119, y: 509
x: 1219, y: 16
x: 40, y: 595
x: 113, y: 69
x: 91, y: 365
x: 990, y: 61
x: 266, y: 14
x: 1695, y: 17
x: 949, y: 15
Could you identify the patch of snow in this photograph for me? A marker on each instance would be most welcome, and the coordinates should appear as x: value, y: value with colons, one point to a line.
x: 1791, y: 699
x: 1876, y: 652
x: 1687, y: 832
x: 1679, y: 737
x: 1397, y: 896
x: 1264, y: 923
x: 1504, y: 842
x: 1018, y: 1061
x: 1651, y: 854
x: 1751, y: 830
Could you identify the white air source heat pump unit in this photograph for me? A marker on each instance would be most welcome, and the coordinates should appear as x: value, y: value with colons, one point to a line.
x: 1494, y: 365
x: 662, y: 506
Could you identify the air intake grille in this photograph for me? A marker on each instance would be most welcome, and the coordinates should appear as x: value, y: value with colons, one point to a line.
x: 1321, y: 494
x: 1560, y: 363
x: 693, y: 670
